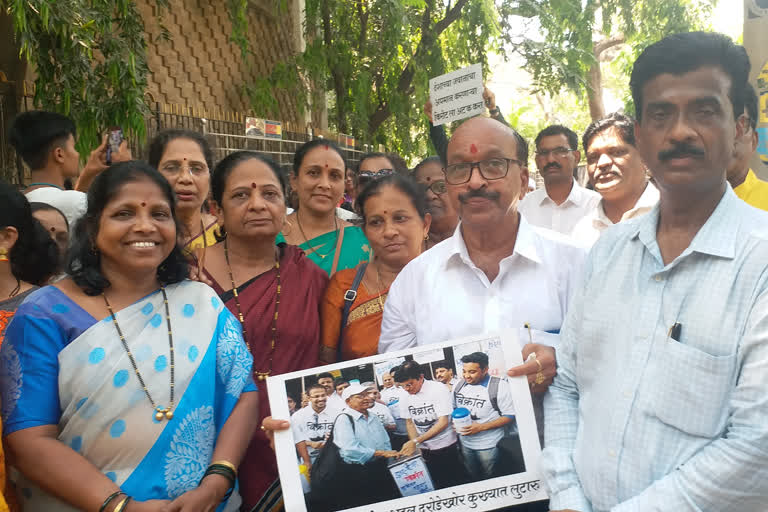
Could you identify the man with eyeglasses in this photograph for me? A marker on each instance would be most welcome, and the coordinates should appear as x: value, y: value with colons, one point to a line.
x: 562, y: 203
x: 617, y: 172
x: 312, y: 424
x: 497, y: 271
x: 429, y: 173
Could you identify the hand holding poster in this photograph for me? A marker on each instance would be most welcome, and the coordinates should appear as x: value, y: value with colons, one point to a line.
x: 375, y: 473
x: 457, y: 95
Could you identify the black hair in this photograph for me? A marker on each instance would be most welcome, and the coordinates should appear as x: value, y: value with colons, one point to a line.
x: 408, y: 370
x: 479, y: 358
x: 442, y: 364
x: 367, y: 156
x: 522, y: 147
x: 315, y: 386
x: 558, y: 129
x: 35, y: 256
x: 338, y: 381
x: 160, y: 142
x: 399, y: 164
x: 33, y: 134
x: 45, y: 207
x: 298, y: 157
x: 401, y: 183
x: 84, y: 260
x: 624, y: 124
x: 324, y: 375
x: 750, y: 105
x: 682, y: 53
x: 427, y: 161
x: 225, y: 167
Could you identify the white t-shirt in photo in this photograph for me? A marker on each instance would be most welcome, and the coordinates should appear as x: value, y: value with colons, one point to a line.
x: 476, y: 398
x: 308, y: 425
x: 382, y: 411
x: 394, y: 397
x: 427, y: 406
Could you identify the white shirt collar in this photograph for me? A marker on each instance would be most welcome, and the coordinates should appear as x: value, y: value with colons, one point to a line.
x: 576, y: 196
x: 645, y: 203
x: 525, y: 245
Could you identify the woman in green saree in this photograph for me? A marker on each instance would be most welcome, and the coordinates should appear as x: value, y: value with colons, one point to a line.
x: 318, y: 179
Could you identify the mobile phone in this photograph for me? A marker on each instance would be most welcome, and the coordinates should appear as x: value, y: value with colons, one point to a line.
x: 114, y: 139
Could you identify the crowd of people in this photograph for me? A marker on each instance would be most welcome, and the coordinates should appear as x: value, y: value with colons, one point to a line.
x: 142, y: 311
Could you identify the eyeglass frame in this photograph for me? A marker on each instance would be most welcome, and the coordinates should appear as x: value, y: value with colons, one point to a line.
x: 553, y: 151
x: 202, y: 172
x: 370, y: 175
x: 473, y: 165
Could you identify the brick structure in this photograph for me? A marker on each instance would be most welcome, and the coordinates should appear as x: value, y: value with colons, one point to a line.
x: 200, y: 68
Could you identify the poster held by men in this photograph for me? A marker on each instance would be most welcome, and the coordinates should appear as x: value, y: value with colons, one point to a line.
x: 415, y: 477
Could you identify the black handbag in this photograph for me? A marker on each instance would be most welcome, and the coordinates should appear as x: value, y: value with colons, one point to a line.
x: 329, y: 471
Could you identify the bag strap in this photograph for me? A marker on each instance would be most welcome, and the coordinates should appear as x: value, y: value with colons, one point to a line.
x: 493, y: 393
x: 337, y: 251
x: 349, y: 297
x: 351, y: 421
x: 459, y: 385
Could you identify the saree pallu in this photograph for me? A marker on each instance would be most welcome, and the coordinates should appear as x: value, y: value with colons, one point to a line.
x: 59, y: 365
x: 207, y: 238
x: 297, y: 347
x: 363, y: 328
x: 321, y: 250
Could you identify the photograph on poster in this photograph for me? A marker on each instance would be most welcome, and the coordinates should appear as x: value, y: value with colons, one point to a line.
x: 353, y: 443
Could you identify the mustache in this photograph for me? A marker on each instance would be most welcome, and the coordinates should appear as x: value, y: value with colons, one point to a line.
x: 680, y: 151
x: 552, y: 165
x: 481, y: 193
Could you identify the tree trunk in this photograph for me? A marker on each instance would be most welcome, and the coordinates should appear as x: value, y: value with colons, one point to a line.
x: 595, y: 77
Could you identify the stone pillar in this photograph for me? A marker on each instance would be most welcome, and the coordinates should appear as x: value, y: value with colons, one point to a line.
x: 756, y: 43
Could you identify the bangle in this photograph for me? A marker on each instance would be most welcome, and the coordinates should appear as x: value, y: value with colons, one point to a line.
x: 220, y: 469
x: 109, y: 500
x: 225, y: 463
x: 120, y: 507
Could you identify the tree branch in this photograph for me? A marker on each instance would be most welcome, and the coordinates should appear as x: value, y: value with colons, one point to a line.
x: 605, y: 44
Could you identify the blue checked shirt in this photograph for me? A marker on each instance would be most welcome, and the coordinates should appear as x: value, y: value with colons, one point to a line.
x: 637, y: 421
x: 357, y: 445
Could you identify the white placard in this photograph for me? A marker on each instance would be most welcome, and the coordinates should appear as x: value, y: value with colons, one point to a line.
x: 490, y: 494
x: 457, y: 95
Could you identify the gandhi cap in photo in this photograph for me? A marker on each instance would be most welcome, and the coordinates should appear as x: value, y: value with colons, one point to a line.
x: 354, y: 389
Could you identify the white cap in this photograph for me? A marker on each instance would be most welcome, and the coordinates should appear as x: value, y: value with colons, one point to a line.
x: 353, y: 389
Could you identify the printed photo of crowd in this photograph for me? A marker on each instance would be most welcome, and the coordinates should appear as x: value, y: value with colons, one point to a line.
x: 409, y: 425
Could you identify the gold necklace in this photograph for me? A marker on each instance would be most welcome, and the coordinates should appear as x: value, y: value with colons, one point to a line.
x: 161, y: 412
x: 306, y: 240
x: 378, y: 282
x: 259, y: 375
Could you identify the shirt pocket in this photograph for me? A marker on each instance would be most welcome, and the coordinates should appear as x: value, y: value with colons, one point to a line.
x: 690, y: 388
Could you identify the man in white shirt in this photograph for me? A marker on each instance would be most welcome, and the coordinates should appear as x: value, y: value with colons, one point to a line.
x: 427, y: 410
x: 312, y: 424
x: 489, y: 401
x: 562, y: 202
x: 334, y: 399
x: 444, y: 374
x: 497, y: 271
x: 617, y: 171
x: 393, y: 396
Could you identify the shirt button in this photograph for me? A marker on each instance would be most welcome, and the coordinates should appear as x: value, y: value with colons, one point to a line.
x: 658, y: 278
x: 627, y: 394
x: 612, y: 453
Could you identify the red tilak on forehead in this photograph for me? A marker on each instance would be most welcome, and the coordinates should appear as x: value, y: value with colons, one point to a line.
x: 143, y: 203
x: 472, y: 149
x: 184, y: 159
x: 253, y: 184
x: 53, y: 230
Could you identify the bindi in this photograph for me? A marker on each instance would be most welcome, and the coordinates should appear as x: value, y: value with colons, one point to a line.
x: 472, y: 149
x: 53, y: 230
x: 253, y: 184
x: 143, y: 204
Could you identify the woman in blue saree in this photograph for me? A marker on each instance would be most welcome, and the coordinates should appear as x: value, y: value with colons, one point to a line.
x: 125, y: 380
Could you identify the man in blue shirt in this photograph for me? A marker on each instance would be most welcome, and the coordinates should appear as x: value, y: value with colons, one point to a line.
x: 661, y: 401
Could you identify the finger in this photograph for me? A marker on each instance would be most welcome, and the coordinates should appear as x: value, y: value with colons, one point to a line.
x: 524, y: 369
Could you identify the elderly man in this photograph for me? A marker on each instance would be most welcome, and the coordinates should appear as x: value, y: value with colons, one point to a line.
x: 661, y: 397
x: 743, y: 180
x: 363, y: 442
x: 312, y: 424
x: 497, y: 271
x: 562, y: 203
x: 618, y: 174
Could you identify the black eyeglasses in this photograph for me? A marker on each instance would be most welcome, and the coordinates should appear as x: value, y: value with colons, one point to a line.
x: 559, y: 152
x: 366, y: 176
x: 491, y: 169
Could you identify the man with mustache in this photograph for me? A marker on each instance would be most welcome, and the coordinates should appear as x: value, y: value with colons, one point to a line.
x: 562, y: 203
x: 617, y: 172
x: 743, y: 180
x: 661, y: 397
x: 496, y: 271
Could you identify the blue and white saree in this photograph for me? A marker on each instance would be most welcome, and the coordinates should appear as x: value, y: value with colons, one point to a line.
x: 60, y: 366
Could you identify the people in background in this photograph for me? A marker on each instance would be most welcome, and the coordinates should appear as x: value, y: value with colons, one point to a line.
x: 561, y: 203
x: 56, y: 224
x: 393, y: 396
x: 396, y: 223
x: 378, y: 408
x: 743, y: 179
x: 185, y: 159
x: 312, y: 424
x: 318, y: 179
x: 617, y: 171
x: 429, y: 173
x: 444, y: 374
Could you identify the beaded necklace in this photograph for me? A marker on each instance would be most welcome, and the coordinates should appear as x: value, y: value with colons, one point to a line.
x: 259, y: 375
x: 160, y: 412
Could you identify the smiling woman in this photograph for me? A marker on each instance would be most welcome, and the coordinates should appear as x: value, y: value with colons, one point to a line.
x: 128, y: 409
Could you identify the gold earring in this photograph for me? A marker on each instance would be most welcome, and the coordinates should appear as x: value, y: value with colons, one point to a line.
x: 426, y: 237
x: 4, y: 254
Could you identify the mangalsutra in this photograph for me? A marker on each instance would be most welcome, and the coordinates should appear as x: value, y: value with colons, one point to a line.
x: 312, y: 249
x: 259, y: 375
x: 378, y: 282
x: 160, y: 412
